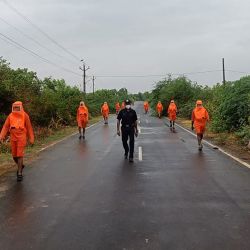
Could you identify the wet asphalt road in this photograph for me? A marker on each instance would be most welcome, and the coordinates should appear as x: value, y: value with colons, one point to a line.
x: 84, y: 195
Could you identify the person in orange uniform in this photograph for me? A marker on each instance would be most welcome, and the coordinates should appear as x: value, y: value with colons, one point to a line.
x: 172, y: 111
x: 19, y: 125
x: 199, y: 119
x: 146, y: 106
x: 117, y: 107
x: 123, y: 105
x: 82, y: 117
x: 159, y: 108
x: 105, y: 112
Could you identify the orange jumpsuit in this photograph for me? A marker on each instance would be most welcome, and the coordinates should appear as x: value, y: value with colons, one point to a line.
x: 117, y: 107
x: 19, y: 125
x: 146, y: 106
x: 82, y: 116
x: 200, y: 117
x: 172, y: 110
x: 159, y: 108
x: 105, y: 110
x: 123, y: 105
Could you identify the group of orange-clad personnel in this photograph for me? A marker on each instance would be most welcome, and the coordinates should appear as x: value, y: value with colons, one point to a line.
x: 19, y: 126
x: 199, y: 117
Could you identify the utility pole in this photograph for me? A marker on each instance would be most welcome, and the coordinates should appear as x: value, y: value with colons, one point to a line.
x: 93, y: 80
x: 84, y: 69
x: 223, y: 70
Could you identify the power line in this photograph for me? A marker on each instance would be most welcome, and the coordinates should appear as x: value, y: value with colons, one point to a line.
x: 240, y: 72
x: 40, y: 30
x: 165, y: 75
x: 16, y: 44
x: 199, y: 72
x: 156, y: 75
x: 32, y: 39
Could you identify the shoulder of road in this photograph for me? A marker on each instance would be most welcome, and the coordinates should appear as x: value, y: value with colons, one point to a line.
x: 41, y: 143
x: 227, y: 142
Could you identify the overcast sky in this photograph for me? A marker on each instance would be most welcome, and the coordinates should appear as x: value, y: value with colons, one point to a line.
x: 130, y: 38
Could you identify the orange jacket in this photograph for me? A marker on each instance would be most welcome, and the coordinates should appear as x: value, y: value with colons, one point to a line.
x: 159, y: 107
x: 19, y: 126
x: 117, y: 106
x: 123, y: 105
x: 82, y: 114
x: 105, y: 109
x: 146, y: 105
x: 200, y: 116
x: 172, y: 108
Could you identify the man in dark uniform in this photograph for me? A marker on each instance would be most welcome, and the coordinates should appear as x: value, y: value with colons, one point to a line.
x: 128, y: 118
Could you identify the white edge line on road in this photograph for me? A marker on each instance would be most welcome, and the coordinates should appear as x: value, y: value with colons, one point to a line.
x: 219, y: 149
x: 140, y: 154
x: 65, y: 138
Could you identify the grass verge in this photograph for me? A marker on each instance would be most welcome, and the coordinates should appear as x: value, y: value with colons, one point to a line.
x: 227, y: 141
x: 6, y: 161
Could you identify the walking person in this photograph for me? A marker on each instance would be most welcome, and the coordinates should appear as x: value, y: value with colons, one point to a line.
x: 172, y: 111
x: 82, y: 117
x: 199, y: 119
x: 128, y: 119
x: 19, y: 126
x: 159, y: 109
x: 105, y: 112
x: 146, y: 107
x: 117, y: 108
x: 123, y: 105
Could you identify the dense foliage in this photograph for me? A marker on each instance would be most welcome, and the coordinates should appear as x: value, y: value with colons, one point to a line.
x: 228, y: 105
x: 49, y: 102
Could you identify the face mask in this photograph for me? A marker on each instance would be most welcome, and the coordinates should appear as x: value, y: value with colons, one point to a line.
x: 128, y: 106
x: 16, y: 109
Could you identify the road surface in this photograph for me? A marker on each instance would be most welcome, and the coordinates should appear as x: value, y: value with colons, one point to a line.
x: 84, y: 195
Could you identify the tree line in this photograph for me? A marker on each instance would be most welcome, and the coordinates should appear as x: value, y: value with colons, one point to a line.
x: 49, y: 102
x: 228, y: 104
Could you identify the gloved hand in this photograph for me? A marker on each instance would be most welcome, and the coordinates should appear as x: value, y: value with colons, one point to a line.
x: 192, y: 127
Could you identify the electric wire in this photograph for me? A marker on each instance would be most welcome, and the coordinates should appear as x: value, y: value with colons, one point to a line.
x: 41, y: 31
x: 20, y: 46
x: 34, y: 40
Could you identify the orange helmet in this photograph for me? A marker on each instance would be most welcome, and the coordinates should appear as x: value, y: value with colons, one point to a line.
x: 198, y: 102
x: 17, y: 107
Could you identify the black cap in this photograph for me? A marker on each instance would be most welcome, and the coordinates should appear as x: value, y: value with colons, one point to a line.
x: 127, y: 102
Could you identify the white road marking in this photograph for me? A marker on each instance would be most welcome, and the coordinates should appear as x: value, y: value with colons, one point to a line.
x: 139, y: 128
x: 218, y: 148
x: 140, y: 153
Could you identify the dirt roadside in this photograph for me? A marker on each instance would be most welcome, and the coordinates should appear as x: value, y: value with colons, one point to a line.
x: 31, y: 153
x: 226, y: 141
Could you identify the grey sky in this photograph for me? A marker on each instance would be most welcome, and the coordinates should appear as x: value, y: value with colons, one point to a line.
x: 143, y: 37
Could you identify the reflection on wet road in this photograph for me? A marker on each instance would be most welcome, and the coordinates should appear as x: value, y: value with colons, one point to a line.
x: 84, y: 195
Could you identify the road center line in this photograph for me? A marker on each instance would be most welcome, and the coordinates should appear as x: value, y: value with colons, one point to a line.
x: 139, y: 128
x: 140, y: 153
